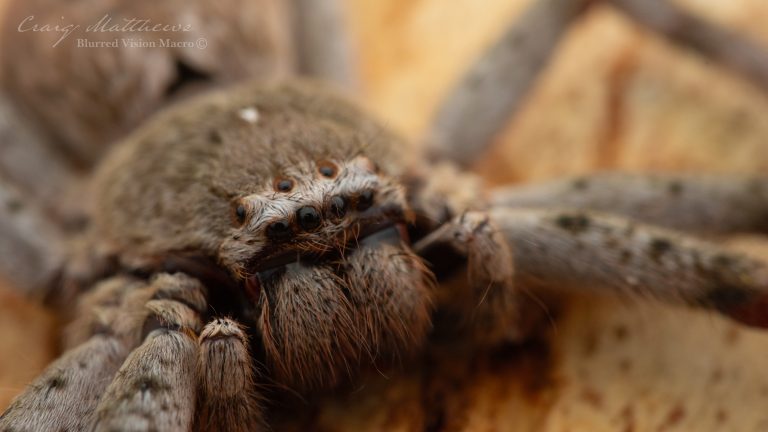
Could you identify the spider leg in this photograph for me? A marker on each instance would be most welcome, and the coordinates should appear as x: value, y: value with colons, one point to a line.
x: 32, y: 249
x: 513, y: 64
x: 706, y: 204
x: 27, y: 154
x: 227, y: 398
x: 728, y: 48
x: 155, y: 389
x: 494, y: 313
x: 324, y: 47
x: 155, y: 384
x: 579, y: 250
x: 64, y: 397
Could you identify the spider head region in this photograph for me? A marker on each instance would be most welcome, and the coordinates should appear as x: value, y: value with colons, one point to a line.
x: 312, y: 213
x: 316, y: 251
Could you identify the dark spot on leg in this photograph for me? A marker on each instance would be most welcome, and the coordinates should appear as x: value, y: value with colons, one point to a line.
x: 698, y: 264
x: 215, y: 137
x: 717, y: 376
x: 621, y: 332
x: 675, y: 188
x: 625, y: 257
x: 147, y: 384
x: 14, y: 205
x: 723, y: 261
x: 659, y: 247
x: 580, y: 184
x: 625, y: 365
x: 575, y: 223
x: 725, y: 297
x: 56, y: 383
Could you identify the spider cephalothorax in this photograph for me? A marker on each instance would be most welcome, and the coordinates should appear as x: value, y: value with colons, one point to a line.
x: 300, y: 202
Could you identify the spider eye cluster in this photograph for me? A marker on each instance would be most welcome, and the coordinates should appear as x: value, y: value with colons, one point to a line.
x: 308, y: 217
x: 283, y: 184
x: 327, y: 169
x: 239, y: 212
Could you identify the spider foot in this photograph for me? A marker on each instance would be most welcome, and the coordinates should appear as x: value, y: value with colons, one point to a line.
x: 491, y: 303
x: 226, y: 389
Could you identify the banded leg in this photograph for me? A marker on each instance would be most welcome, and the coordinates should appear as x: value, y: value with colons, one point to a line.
x: 68, y: 395
x: 497, y: 83
x: 707, y: 204
x: 32, y: 246
x: 574, y: 249
x: 155, y: 389
x: 64, y: 397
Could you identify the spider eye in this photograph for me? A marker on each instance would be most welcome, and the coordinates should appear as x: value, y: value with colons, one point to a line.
x: 283, y: 184
x: 327, y: 169
x: 240, y: 213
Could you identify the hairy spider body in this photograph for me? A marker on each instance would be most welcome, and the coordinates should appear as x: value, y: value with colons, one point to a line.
x: 276, y: 233
x: 283, y: 217
x: 282, y: 200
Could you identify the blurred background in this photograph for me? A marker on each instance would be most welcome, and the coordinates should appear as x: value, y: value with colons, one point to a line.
x: 615, y: 96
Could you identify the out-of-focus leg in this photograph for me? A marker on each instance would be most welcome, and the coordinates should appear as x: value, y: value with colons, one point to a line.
x: 65, y: 396
x: 699, y: 203
x: 497, y: 83
x: 579, y: 250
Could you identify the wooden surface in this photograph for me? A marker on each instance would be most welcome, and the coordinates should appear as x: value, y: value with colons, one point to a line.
x: 615, y: 97
x: 27, y: 342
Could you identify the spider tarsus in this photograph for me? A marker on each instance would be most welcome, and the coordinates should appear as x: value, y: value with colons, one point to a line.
x: 488, y: 301
x: 226, y: 401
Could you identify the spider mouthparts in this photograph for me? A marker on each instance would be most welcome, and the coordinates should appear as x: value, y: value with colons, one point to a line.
x: 253, y: 287
x: 389, y: 232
